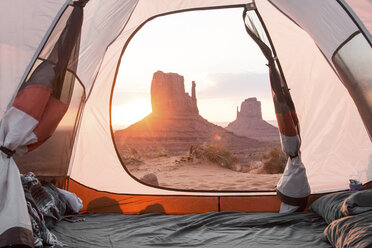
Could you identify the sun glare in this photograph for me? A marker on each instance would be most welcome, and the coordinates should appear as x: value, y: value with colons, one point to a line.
x: 127, y: 114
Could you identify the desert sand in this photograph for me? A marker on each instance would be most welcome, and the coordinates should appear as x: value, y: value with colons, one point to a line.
x: 201, y: 175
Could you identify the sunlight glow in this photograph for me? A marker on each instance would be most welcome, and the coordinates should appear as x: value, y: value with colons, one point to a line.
x: 127, y: 114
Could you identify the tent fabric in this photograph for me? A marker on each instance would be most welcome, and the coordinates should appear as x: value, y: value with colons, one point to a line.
x: 102, y: 25
x: 352, y: 62
x: 334, y: 142
x: 305, y: 35
x: 362, y: 10
x: 106, y: 202
x: 17, y: 129
x: 95, y: 122
x: 329, y: 38
x: 15, y: 132
x: 33, y: 117
x: 293, y: 187
x: 324, y: 148
x: 312, y: 15
x: 21, y: 38
x: 51, y: 159
x: 64, y: 40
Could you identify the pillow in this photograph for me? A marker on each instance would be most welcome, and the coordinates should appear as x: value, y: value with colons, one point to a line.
x: 357, y: 203
x: 351, y: 231
x: 329, y: 206
x: 74, y: 203
x: 337, y: 205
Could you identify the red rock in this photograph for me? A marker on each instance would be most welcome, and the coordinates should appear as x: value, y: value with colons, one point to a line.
x: 175, y: 123
x: 168, y: 94
x: 249, y: 122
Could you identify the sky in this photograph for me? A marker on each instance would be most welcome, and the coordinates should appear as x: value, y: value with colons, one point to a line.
x: 210, y: 47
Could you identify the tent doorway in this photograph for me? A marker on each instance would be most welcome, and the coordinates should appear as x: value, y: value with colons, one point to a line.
x: 193, y: 111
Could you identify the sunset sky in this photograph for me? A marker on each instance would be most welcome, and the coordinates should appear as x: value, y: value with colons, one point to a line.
x: 211, y: 48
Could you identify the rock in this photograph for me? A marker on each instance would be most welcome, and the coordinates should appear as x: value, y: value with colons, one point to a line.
x: 151, y: 179
x: 175, y: 123
x: 249, y: 123
x: 250, y: 108
x: 168, y: 94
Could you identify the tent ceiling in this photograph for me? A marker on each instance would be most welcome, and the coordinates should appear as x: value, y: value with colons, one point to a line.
x: 313, y: 15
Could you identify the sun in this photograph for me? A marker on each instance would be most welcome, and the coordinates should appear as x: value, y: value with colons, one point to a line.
x: 126, y: 114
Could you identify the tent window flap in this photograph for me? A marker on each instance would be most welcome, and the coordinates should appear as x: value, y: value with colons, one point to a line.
x: 293, y: 188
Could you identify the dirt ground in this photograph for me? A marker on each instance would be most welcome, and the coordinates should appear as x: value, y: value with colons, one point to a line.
x: 201, y: 175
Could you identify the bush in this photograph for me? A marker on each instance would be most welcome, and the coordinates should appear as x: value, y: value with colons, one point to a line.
x: 215, y: 154
x: 155, y: 153
x: 131, y: 157
x: 274, y: 160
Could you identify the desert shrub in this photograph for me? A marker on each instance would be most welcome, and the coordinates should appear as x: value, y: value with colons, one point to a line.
x: 214, y: 153
x: 155, y: 153
x: 274, y: 160
x: 132, y: 156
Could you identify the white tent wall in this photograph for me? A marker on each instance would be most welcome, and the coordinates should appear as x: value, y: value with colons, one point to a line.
x: 95, y: 162
x: 335, y: 144
x: 20, y: 40
x: 331, y: 24
x: 326, y: 21
x: 103, y: 23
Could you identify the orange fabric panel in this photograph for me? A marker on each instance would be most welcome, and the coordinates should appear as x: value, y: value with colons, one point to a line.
x: 294, y: 117
x: 53, y: 114
x: 267, y: 203
x: 102, y: 202
x: 287, y: 123
x: 32, y: 100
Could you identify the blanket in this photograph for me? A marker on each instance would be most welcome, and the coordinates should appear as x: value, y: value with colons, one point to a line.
x: 45, y: 207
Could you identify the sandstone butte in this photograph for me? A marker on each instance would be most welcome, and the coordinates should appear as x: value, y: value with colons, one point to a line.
x: 249, y: 122
x: 175, y: 123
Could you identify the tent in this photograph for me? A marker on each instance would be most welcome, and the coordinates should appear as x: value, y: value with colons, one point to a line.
x: 318, y: 51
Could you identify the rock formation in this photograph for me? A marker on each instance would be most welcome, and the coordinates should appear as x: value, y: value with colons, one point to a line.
x: 249, y: 122
x: 168, y: 95
x: 249, y: 109
x: 175, y: 123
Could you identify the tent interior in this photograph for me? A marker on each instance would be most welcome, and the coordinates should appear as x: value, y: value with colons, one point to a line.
x: 60, y: 78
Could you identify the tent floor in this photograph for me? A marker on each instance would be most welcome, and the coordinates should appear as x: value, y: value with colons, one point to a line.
x: 214, y: 229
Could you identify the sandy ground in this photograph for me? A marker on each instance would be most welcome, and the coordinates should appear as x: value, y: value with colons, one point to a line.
x: 201, y: 175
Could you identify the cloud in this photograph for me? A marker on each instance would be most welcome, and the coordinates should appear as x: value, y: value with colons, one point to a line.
x: 237, y: 85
